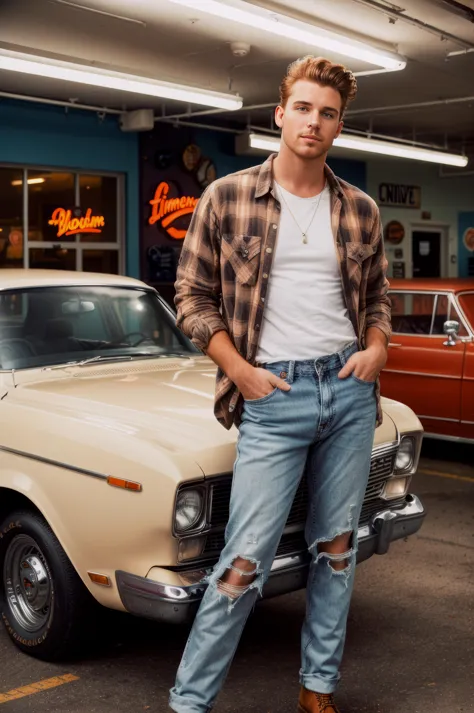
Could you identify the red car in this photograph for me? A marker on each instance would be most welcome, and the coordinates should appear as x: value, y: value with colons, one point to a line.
x: 430, y: 364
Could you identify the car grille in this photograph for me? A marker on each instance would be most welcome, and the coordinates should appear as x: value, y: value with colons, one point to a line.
x: 382, y: 464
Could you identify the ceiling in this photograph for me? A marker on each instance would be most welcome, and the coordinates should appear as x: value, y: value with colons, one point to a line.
x: 156, y: 38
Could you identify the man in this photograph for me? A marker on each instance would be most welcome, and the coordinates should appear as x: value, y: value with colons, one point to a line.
x: 282, y: 283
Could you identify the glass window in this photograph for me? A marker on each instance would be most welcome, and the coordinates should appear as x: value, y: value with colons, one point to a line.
x: 412, y: 312
x: 53, y: 258
x: 56, y: 325
x: 51, y: 206
x: 98, y: 202
x: 467, y: 303
x: 11, y: 217
x: 446, y: 310
x: 100, y: 261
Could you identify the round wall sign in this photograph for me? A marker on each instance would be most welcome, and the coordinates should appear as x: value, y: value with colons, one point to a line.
x: 469, y: 239
x: 394, y: 232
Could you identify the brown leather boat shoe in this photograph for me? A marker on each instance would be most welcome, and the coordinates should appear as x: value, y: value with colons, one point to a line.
x: 311, y: 702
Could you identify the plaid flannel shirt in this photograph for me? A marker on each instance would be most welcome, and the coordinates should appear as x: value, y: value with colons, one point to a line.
x: 226, y: 262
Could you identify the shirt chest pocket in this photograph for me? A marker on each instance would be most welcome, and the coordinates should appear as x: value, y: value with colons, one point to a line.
x: 242, y: 253
x: 359, y: 252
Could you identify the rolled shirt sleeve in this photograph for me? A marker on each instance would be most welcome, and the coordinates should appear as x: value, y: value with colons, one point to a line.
x: 378, y: 304
x: 198, y: 284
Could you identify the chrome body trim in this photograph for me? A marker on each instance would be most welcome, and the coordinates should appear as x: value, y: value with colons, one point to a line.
x: 55, y: 463
x: 421, y: 373
x: 453, y: 439
x: 439, y: 418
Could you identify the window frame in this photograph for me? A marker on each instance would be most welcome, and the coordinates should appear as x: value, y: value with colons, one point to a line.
x: 451, y: 296
x: 78, y: 246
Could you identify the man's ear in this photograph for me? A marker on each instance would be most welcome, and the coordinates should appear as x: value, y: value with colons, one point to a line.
x: 279, y: 112
x: 339, y: 129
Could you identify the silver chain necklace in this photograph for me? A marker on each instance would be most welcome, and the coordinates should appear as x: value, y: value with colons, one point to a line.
x: 304, y: 233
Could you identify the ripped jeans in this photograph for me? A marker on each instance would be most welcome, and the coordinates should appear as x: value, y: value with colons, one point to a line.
x: 322, y: 429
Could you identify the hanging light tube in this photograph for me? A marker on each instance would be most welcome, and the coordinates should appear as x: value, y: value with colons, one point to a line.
x: 110, y: 79
x: 358, y: 143
x: 259, y: 18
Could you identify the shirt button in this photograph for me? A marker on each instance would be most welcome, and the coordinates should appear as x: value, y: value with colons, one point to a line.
x: 275, y: 226
x: 268, y: 250
x: 265, y: 275
x: 257, y: 327
x: 263, y: 299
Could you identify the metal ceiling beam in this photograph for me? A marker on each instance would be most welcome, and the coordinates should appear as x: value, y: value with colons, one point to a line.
x: 400, y: 15
x: 458, y: 8
x: 404, y: 107
x: 58, y: 102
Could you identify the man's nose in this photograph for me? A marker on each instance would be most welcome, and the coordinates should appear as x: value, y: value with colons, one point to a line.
x: 314, y: 119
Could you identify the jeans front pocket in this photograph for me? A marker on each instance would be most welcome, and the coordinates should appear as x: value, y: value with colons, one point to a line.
x: 361, y: 381
x: 263, y: 399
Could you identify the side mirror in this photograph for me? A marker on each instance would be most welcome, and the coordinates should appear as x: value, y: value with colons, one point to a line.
x: 451, y: 328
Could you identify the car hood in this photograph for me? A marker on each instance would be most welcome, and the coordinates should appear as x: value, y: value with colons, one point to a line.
x: 153, y: 408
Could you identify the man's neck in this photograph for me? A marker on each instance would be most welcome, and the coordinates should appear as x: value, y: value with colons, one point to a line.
x: 300, y: 177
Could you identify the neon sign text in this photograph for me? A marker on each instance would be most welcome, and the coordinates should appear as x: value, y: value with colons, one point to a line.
x: 67, y: 225
x: 167, y: 210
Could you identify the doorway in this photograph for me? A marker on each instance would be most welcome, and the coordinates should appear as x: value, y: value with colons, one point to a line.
x: 426, y: 253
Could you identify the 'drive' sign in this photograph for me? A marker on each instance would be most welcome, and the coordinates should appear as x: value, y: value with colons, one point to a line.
x: 399, y: 195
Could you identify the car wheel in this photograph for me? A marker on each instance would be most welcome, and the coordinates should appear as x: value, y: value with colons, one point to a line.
x: 44, y: 604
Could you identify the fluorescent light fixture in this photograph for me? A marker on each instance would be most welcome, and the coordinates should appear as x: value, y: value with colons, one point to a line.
x: 31, y: 181
x: 359, y: 143
x: 275, y: 23
x: 387, y: 148
x: 110, y: 79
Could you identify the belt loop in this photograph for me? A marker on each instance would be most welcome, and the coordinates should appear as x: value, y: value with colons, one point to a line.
x: 291, y: 372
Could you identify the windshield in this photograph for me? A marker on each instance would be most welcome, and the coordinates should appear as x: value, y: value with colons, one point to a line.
x: 467, y: 303
x: 54, y: 325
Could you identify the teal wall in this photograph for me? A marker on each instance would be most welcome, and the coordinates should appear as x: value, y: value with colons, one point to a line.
x: 466, y: 221
x: 41, y: 135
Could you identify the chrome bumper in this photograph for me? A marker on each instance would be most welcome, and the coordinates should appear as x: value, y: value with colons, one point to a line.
x: 178, y: 604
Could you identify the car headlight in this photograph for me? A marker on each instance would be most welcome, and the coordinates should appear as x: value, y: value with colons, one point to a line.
x: 189, y: 507
x: 405, y: 456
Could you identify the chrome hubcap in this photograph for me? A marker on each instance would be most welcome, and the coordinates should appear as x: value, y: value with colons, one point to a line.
x: 28, y: 584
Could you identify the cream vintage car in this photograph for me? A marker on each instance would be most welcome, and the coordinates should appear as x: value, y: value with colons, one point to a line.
x: 115, y: 476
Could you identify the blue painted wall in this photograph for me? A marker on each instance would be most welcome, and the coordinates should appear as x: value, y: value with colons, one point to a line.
x: 49, y: 136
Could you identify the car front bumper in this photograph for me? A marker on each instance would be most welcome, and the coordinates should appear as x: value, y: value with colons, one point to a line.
x: 178, y: 603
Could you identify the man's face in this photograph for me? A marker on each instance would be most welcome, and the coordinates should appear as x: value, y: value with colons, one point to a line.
x: 310, y: 121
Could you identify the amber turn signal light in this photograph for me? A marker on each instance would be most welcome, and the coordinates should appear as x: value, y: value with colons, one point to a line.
x: 125, y: 484
x: 99, y: 579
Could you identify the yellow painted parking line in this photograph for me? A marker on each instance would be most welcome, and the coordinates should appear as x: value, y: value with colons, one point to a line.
x: 37, y: 687
x: 441, y: 474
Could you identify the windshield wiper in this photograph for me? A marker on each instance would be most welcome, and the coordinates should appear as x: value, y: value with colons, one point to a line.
x: 115, y: 357
x: 90, y: 360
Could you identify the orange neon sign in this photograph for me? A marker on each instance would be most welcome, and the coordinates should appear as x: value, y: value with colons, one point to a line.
x: 167, y: 210
x: 67, y: 225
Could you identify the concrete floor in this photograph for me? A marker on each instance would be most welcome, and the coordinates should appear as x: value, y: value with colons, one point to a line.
x: 410, y: 646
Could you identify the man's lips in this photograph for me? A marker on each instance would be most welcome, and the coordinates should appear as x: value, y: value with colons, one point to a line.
x: 311, y: 136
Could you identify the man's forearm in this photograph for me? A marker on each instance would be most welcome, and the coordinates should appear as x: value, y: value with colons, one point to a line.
x: 221, y: 350
x: 374, y: 337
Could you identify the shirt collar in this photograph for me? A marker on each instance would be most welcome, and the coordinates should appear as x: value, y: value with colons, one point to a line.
x: 265, y: 179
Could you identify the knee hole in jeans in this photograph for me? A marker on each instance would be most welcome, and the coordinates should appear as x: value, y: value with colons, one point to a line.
x: 238, y: 577
x: 338, y: 551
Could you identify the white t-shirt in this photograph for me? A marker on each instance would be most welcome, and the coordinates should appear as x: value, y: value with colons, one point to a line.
x: 305, y: 315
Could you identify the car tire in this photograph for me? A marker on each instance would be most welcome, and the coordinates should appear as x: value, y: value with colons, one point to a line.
x: 44, y: 604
